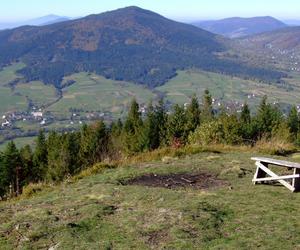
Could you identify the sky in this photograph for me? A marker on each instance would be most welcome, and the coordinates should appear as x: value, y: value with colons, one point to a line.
x: 183, y: 10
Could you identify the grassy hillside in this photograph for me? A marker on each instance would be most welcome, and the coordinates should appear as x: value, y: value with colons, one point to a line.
x: 38, y: 93
x: 9, y: 101
x: 103, y: 212
x: 91, y: 92
x: 227, y: 88
x: 20, y: 142
x: 17, y: 98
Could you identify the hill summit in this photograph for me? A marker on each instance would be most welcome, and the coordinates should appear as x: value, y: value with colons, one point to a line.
x: 129, y: 44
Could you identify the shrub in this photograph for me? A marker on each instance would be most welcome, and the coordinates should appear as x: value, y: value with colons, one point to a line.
x: 32, y: 189
x: 208, y: 133
x: 95, y: 169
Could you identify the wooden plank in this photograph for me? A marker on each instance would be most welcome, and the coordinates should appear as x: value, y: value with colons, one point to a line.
x: 259, y: 174
x: 285, y: 177
x: 296, y: 181
x: 269, y: 172
x: 276, y: 162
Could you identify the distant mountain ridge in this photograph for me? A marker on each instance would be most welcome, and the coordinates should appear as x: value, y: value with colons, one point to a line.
x: 236, y: 27
x: 40, y: 21
x: 129, y: 44
x: 283, y: 39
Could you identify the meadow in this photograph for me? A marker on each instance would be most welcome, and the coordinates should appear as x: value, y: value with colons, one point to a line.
x: 107, y: 211
x: 228, y: 89
x: 91, y: 92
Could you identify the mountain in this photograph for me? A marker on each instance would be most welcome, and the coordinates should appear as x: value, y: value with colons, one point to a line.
x: 279, y: 49
x: 45, y: 20
x: 129, y: 44
x: 284, y: 39
x: 239, y: 27
x: 292, y: 22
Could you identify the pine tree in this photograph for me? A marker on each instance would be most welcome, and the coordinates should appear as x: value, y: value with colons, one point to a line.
x: 52, y: 172
x: 207, y: 112
x: 4, y: 181
x: 94, y: 143
x: 12, y: 167
x: 267, y: 117
x: 150, y: 134
x: 177, y: 125
x: 40, y: 157
x: 245, y: 114
x: 133, y: 127
x: 161, y: 118
x: 27, y: 165
x: 293, y: 121
x: 192, y: 115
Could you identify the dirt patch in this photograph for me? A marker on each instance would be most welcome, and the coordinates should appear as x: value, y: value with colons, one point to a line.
x: 155, y: 238
x: 173, y: 181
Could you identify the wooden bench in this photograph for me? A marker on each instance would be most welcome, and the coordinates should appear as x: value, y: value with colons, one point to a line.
x: 262, y: 171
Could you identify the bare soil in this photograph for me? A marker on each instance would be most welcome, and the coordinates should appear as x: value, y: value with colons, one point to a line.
x: 173, y: 181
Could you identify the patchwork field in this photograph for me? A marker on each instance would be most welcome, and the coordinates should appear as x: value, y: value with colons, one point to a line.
x: 95, y: 93
x: 9, y: 101
x: 204, y: 201
x: 226, y: 88
x: 38, y: 93
x: 20, y: 142
x: 18, y: 97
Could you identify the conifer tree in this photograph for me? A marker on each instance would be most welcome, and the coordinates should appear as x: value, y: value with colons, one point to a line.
x: 132, y: 129
x: 4, y: 181
x: 207, y: 112
x: 161, y: 118
x: 267, y: 117
x: 177, y: 125
x: 293, y: 121
x: 192, y: 115
x: 40, y: 160
x: 150, y: 135
x: 12, y: 167
x: 245, y: 114
x: 27, y: 165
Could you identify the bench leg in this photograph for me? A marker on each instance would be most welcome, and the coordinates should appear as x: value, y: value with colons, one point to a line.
x: 259, y: 174
x: 269, y: 172
x: 296, y: 181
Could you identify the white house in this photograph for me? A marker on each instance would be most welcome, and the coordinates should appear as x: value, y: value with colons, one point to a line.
x: 37, y: 114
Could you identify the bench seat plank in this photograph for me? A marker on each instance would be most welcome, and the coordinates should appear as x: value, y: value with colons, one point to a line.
x: 277, y: 162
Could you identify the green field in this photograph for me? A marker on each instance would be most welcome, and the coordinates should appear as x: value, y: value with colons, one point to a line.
x: 226, y: 88
x: 9, y: 74
x: 17, y: 98
x: 39, y: 93
x: 92, y: 92
x: 102, y: 212
x: 9, y: 101
x: 95, y: 93
x: 20, y: 142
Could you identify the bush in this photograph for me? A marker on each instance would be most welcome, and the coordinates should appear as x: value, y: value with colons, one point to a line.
x: 32, y: 189
x: 96, y: 169
x: 208, y: 133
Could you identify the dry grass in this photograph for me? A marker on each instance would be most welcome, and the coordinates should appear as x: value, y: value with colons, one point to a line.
x: 275, y: 146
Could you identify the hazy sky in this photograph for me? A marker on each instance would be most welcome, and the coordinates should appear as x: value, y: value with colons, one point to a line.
x: 11, y: 10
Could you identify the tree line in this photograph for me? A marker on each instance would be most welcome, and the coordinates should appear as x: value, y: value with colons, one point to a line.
x: 59, y: 155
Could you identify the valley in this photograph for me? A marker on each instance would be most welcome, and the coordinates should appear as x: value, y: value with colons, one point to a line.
x: 141, y: 55
x: 91, y: 97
